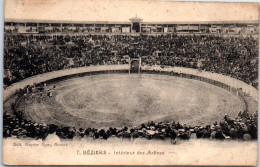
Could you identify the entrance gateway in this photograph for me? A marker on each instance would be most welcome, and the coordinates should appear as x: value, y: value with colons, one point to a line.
x: 136, y: 24
x: 135, y: 65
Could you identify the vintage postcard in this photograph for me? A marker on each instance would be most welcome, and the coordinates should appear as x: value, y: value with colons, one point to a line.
x: 127, y: 82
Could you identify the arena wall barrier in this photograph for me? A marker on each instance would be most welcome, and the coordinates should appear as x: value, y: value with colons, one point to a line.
x: 226, y: 82
x: 58, y: 74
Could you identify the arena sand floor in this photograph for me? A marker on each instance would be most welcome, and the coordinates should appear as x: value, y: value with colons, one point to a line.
x: 117, y: 100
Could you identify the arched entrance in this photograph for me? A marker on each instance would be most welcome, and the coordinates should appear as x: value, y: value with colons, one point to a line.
x: 136, y: 24
x: 135, y: 64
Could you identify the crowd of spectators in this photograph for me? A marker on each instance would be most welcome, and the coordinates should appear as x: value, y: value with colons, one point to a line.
x: 244, y: 127
x: 28, y: 55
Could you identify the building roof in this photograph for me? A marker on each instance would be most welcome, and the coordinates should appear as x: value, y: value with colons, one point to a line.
x: 134, y: 19
x: 207, y: 22
x: 65, y: 21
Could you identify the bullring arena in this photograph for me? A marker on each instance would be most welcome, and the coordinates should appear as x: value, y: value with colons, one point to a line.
x: 126, y: 100
x: 103, y: 97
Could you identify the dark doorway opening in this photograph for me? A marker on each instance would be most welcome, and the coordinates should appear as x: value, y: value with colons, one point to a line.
x: 136, y: 27
x: 134, y: 66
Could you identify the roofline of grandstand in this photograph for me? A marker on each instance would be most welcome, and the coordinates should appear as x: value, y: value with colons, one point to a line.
x: 207, y: 22
x: 64, y: 21
x: 129, y: 22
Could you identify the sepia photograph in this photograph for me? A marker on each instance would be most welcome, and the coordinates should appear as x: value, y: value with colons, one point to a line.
x: 140, y: 82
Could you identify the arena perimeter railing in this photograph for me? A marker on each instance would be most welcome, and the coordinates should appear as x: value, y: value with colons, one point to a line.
x: 213, y: 78
x: 12, y: 89
x: 226, y: 82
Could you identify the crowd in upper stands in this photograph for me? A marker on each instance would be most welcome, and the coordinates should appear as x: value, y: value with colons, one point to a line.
x: 27, y: 55
x: 244, y: 127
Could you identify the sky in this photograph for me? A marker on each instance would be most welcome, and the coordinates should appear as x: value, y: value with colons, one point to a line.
x: 123, y: 10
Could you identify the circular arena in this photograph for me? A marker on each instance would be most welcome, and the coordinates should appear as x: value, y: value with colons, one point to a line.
x: 116, y: 100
